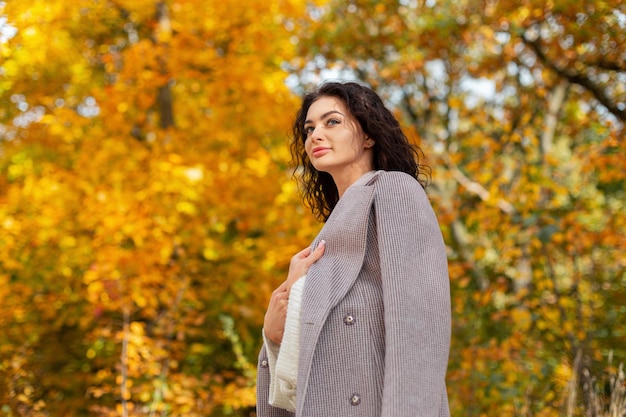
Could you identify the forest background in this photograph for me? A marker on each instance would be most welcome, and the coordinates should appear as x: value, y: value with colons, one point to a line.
x: 147, y: 208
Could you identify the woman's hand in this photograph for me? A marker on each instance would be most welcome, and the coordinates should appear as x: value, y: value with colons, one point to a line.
x: 301, y: 262
x: 274, y: 323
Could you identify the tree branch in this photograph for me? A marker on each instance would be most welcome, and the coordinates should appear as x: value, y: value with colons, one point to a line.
x: 555, y: 102
x: 474, y: 187
x: 577, y: 78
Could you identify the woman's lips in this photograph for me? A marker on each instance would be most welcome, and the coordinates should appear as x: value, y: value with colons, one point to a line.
x: 317, y: 152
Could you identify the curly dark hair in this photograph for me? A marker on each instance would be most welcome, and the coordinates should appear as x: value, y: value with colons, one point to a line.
x: 392, y: 150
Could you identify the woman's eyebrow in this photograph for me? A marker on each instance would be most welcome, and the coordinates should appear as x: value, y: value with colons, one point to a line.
x: 328, y: 113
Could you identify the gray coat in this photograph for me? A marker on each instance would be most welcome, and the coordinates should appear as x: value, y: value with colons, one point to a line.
x: 375, y: 318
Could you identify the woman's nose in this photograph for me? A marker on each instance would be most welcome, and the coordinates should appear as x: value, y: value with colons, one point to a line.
x: 316, y: 134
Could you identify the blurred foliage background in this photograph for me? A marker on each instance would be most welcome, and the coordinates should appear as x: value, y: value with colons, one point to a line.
x: 147, y: 208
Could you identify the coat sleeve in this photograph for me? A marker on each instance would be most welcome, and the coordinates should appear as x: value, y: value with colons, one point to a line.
x: 416, y: 297
x: 263, y: 408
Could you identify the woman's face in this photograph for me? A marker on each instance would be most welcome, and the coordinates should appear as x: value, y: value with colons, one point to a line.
x: 335, y: 142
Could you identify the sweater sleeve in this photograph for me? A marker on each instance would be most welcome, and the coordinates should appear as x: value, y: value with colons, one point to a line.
x: 263, y: 408
x: 416, y: 297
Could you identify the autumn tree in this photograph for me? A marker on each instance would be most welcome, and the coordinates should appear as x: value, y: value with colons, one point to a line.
x: 146, y: 205
x: 520, y: 110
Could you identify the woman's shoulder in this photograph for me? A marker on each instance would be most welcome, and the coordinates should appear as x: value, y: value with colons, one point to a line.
x: 396, y: 181
x: 400, y: 193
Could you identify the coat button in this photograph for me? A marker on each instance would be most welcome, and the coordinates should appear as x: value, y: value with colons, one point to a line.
x: 355, y: 399
x: 349, y: 319
x: 264, y: 363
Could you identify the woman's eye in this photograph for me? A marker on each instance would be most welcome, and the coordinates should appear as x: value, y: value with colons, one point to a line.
x: 308, y: 130
x: 331, y: 122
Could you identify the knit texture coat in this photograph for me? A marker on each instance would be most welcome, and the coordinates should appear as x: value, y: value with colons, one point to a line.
x: 375, y: 315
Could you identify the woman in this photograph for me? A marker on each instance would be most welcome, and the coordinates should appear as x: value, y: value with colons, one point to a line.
x: 361, y: 326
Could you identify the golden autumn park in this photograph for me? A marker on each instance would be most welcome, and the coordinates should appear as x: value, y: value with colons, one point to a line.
x: 148, y: 206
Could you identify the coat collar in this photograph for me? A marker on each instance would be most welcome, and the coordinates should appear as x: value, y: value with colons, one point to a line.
x: 345, y: 233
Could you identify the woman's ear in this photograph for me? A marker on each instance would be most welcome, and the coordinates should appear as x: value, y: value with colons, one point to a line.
x: 369, y: 142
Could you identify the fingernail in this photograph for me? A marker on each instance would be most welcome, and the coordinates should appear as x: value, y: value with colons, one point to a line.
x: 323, y: 242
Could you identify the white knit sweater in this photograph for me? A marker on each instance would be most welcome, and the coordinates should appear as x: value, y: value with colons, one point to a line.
x: 283, y: 359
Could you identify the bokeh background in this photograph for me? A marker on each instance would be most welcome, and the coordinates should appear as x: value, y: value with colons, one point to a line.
x: 147, y: 208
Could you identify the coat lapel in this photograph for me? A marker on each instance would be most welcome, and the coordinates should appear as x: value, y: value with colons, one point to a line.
x: 332, y: 276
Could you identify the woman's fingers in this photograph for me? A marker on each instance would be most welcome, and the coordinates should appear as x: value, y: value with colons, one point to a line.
x: 308, y: 258
x: 302, y: 261
x: 301, y: 255
x: 274, y: 322
x: 281, y: 288
x: 317, y: 253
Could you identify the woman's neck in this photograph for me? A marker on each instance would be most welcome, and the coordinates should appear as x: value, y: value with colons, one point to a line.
x: 346, y: 179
